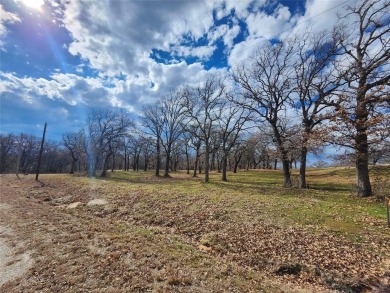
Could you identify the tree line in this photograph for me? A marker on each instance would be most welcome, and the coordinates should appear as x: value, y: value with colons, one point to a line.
x: 291, y: 98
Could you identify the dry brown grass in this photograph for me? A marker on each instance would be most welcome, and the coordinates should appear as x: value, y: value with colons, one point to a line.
x: 180, y: 235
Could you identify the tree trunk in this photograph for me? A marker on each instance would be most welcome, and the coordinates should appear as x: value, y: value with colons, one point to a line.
x: 237, y: 161
x: 362, y: 174
x: 188, y: 164
x: 113, y: 163
x: 224, y: 168
x: 212, y: 167
x: 302, y: 169
x: 73, y: 166
x: 361, y: 143
x: 167, y: 162
x: 146, y: 161
x: 196, y: 165
x: 286, y: 173
x: 286, y: 166
x: 125, y: 160
x: 137, y: 162
x: 105, y: 166
x: 158, y: 158
x: 207, y: 164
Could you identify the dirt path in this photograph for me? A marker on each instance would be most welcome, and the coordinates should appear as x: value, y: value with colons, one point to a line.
x: 12, y: 264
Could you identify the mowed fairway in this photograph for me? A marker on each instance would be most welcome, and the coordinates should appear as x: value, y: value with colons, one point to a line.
x: 181, y: 235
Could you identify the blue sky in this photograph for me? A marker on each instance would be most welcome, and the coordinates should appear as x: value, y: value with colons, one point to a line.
x: 61, y: 58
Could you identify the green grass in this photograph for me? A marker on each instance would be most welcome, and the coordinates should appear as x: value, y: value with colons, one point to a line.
x: 327, y: 205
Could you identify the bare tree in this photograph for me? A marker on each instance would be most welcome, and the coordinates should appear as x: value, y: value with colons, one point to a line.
x: 266, y: 90
x: 314, y: 84
x: 104, y: 131
x: 195, y: 143
x: 231, y: 123
x: 186, y: 141
x: 7, y: 144
x: 172, y: 122
x: 147, y: 150
x: 364, y: 65
x: 204, y: 106
x: 73, y: 142
x: 153, y: 123
x: 238, y: 151
x: 134, y: 149
x: 29, y: 149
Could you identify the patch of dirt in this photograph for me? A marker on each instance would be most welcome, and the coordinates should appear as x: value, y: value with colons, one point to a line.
x: 14, y: 260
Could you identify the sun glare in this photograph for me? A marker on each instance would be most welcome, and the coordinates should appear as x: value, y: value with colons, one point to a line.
x: 36, y: 4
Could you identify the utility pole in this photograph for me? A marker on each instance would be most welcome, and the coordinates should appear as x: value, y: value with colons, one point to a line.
x: 40, y: 153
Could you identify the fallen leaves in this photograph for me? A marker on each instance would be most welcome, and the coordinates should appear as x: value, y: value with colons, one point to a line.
x: 171, y: 241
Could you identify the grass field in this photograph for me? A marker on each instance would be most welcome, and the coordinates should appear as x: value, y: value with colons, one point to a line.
x: 179, y: 234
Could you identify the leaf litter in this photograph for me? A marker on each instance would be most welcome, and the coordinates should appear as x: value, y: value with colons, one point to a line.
x: 145, y: 242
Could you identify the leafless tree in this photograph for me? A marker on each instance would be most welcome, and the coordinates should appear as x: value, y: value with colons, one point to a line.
x: 104, y: 131
x: 204, y: 106
x: 195, y: 143
x: 364, y: 65
x: 153, y: 123
x: 380, y: 153
x: 315, y: 82
x: 172, y: 122
x: 266, y: 90
x: 186, y: 141
x: 147, y: 150
x: 8, y: 143
x: 29, y: 148
x: 232, y: 122
x: 73, y: 142
x: 238, y: 151
x: 134, y: 149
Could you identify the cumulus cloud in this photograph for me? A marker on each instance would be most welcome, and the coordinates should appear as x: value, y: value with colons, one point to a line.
x: 202, y: 52
x: 243, y: 51
x: 114, y: 36
x: 268, y: 26
x: 116, y: 39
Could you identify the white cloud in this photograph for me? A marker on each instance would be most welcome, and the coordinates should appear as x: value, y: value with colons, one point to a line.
x: 226, y: 33
x: 241, y: 7
x: 115, y: 36
x: 268, y: 26
x: 202, y: 52
x: 230, y: 35
x: 243, y: 51
x: 6, y: 17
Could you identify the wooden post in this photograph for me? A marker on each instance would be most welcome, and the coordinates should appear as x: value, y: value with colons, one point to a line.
x: 387, y: 199
x: 40, y: 153
x: 19, y: 155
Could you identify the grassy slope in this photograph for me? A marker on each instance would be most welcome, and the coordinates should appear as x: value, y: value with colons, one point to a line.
x: 240, y: 235
x: 327, y: 205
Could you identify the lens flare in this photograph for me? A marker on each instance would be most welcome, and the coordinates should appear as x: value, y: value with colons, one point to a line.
x: 36, y: 4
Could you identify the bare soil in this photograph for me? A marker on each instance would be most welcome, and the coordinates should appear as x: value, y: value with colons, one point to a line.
x: 132, y: 243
